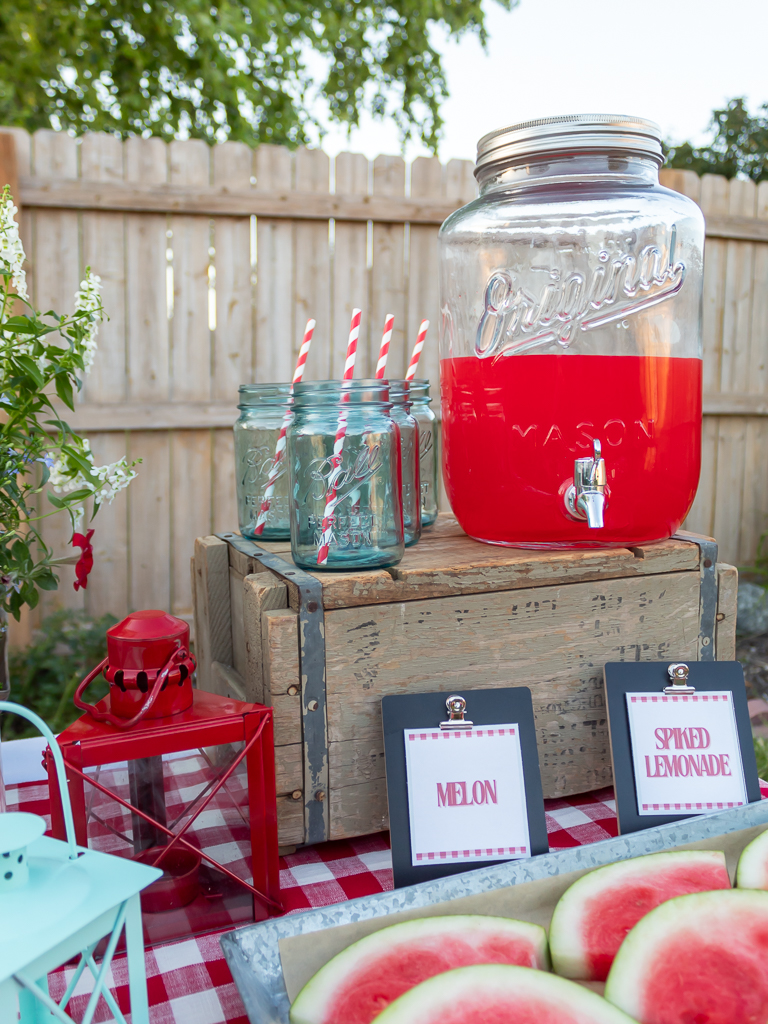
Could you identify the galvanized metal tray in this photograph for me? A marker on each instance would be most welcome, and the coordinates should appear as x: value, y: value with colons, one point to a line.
x: 253, y: 953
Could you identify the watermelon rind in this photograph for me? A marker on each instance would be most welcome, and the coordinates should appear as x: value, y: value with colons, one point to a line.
x: 537, y: 995
x: 752, y: 870
x: 681, y: 942
x: 567, y: 943
x: 314, y: 1002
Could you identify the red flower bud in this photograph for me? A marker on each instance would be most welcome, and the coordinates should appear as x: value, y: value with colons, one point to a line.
x: 85, y: 561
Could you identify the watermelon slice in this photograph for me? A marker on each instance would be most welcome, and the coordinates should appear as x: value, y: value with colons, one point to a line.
x: 752, y: 872
x: 698, y: 959
x: 498, y: 994
x: 367, y: 976
x: 593, y: 916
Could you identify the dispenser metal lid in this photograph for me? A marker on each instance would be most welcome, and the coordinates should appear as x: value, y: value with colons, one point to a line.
x: 568, y: 132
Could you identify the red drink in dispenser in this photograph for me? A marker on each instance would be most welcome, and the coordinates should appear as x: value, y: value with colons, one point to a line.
x: 570, y: 339
x: 498, y: 423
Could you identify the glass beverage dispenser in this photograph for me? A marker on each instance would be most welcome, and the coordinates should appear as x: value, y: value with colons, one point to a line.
x: 570, y: 340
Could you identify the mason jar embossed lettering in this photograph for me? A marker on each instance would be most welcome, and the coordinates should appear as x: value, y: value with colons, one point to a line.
x: 402, y: 414
x: 366, y: 518
x: 262, y: 408
x: 421, y: 411
x: 571, y: 339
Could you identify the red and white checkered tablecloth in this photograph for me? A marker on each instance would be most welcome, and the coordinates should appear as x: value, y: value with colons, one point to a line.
x: 189, y: 981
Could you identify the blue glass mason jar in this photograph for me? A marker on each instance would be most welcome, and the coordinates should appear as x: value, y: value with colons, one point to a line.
x: 399, y: 393
x: 365, y: 525
x: 428, y: 449
x: 262, y: 410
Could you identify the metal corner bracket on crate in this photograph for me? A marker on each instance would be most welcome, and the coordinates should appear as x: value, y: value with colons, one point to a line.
x: 312, y: 673
x: 707, y: 593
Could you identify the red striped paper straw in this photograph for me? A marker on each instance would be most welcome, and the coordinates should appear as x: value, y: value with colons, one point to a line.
x: 331, y: 499
x: 414, y: 363
x: 274, y: 471
x: 381, y: 366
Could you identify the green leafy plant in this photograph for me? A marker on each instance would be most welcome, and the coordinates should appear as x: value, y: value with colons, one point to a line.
x: 761, y: 756
x: 250, y: 70
x: 43, y: 356
x: 46, y: 674
x: 739, y: 145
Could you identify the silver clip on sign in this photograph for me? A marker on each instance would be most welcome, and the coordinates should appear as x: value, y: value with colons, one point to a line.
x: 678, y: 673
x: 456, y: 706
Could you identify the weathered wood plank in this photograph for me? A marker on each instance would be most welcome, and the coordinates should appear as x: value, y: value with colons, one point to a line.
x: 108, y: 582
x: 212, y: 608
x: 198, y: 415
x: 274, y: 200
x: 50, y: 193
x: 149, y: 518
x: 239, y: 653
x: 274, y: 269
x: 190, y: 517
x: 350, y: 272
x: 288, y: 769
x: 754, y: 517
x: 725, y: 627
x: 57, y: 276
x: 438, y: 568
x: 554, y: 639
x: 387, y: 270
x: 227, y: 682
x: 223, y: 482
x: 234, y: 339
x: 260, y: 593
x: 290, y: 820
x: 9, y: 167
x: 311, y: 270
x: 280, y: 647
x: 146, y: 242
x: 448, y: 562
x: 287, y: 710
x: 359, y: 810
x: 427, y: 179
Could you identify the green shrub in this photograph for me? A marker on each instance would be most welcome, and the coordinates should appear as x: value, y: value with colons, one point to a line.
x: 761, y: 755
x: 44, y: 677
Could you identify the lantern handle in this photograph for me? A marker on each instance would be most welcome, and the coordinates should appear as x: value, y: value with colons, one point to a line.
x: 178, y: 656
x: 58, y: 760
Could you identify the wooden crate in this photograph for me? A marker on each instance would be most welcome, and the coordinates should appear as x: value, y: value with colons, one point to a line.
x: 453, y: 614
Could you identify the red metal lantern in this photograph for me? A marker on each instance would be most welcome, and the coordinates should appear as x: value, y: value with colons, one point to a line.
x: 174, y: 777
x: 148, y: 667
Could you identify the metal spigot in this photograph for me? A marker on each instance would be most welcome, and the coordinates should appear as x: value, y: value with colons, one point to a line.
x: 585, y: 498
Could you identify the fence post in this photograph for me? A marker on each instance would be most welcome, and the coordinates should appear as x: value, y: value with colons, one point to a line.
x: 9, y: 168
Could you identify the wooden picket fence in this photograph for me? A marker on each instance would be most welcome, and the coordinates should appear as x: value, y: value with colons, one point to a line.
x: 213, y: 258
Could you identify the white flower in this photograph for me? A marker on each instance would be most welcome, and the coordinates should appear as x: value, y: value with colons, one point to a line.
x: 88, y: 300
x: 11, y: 249
x: 113, y: 478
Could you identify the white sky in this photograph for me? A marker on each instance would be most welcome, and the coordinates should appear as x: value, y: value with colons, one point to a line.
x: 671, y: 60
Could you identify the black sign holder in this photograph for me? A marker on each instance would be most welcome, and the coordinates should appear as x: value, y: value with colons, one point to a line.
x: 653, y: 677
x: 428, y: 710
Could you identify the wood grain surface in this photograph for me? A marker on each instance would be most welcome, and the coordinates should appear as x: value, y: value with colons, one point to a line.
x: 461, y: 614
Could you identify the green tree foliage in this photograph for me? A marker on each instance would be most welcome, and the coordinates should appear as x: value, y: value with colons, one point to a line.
x: 245, y: 69
x: 739, y: 145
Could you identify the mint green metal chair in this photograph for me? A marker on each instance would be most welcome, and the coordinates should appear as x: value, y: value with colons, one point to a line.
x: 58, y: 901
